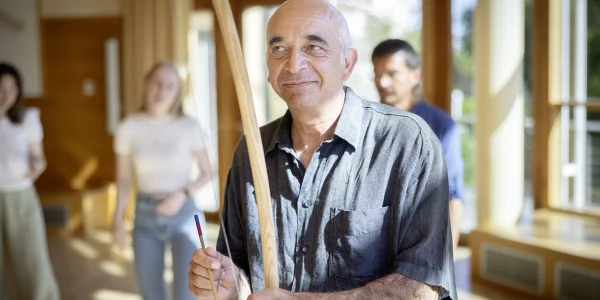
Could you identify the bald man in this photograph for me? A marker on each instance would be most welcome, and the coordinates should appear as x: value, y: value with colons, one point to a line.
x: 359, y: 189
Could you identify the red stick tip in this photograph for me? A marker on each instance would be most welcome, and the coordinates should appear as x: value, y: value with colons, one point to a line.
x: 198, y: 225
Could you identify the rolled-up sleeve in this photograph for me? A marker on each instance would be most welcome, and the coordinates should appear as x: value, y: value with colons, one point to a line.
x: 454, y: 162
x: 425, y: 250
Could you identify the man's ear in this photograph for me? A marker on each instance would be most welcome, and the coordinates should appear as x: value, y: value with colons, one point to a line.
x: 268, y: 73
x: 416, y: 75
x: 349, y: 60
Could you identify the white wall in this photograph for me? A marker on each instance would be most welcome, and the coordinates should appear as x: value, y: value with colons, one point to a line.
x: 21, y: 47
x: 80, y: 8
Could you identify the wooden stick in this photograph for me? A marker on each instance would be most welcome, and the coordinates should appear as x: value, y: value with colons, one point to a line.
x: 210, y: 276
x: 255, y: 150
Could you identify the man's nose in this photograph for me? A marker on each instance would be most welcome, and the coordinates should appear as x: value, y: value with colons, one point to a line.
x: 296, y: 61
x: 385, y: 81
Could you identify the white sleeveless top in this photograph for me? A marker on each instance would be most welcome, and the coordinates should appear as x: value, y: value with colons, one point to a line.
x: 14, y: 149
x: 161, y: 150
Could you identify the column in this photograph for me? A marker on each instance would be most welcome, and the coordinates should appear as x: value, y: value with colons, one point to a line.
x: 499, y: 50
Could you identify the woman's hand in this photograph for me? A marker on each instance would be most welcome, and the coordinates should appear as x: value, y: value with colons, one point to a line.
x: 37, y: 160
x: 171, y: 204
x: 36, y: 167
x: 119, y: 234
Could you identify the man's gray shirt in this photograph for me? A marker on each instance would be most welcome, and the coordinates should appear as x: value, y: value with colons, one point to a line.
x: 373, y: 201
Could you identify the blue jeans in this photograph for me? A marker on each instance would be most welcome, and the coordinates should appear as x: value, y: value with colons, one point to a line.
x: 151, y: 233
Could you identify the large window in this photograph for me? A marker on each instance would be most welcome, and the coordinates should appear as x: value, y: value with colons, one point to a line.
x: 202, y: 103
x: 370, y: 23
x: 463, y: 103
x: 593, y: 101
x: 580, y: 109
x: 269, y: 106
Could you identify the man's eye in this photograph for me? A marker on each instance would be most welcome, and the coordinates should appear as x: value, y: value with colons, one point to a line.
x: 278, y: 49
x: 314, y: 47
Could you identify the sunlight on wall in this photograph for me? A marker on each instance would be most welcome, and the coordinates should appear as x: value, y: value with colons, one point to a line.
x: 21, y: 46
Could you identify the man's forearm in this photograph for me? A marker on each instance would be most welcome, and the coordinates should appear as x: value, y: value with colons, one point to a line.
x: 456, y: 208
x: 393, y: 286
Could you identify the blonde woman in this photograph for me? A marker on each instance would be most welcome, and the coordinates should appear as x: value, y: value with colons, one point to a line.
x: 156, y: 149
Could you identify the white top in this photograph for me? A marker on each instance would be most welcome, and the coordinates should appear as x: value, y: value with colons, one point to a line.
x: 161, y: 150
x: 14, y: 149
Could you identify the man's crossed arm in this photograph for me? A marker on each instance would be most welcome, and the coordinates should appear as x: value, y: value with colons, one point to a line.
x: 393, y: 286
x: 225, y: 273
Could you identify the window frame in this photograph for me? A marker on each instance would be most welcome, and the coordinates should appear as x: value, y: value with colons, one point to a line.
x: 556, y: 89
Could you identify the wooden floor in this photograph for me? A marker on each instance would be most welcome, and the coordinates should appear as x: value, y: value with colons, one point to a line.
x: 88, y: 268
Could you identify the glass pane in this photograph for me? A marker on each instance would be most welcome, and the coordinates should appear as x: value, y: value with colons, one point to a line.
x: 267, y: 103
x: 591, y: 162
x: 593, y: 48
x: 528, y: 188
x: 581, y: 124
x: 370, y: 24
x: 203, y: 102
x: 463, y: 103
x: 593, y: 91
x: 593, y: 158
x: 462, y: 57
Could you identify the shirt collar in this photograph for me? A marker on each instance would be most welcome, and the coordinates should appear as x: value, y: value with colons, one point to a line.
x: 350, y: 123
x: 282, y: 136
x: 348, y: 127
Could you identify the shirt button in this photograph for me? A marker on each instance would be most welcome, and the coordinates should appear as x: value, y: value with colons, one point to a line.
x: 305, y: 249
x: 306, y: 204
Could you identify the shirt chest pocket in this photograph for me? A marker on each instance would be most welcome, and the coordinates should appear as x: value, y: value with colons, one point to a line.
x: 360, y: 244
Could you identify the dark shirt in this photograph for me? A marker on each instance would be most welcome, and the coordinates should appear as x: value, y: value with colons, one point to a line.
x: 445, y: 129
x: 373, y: 201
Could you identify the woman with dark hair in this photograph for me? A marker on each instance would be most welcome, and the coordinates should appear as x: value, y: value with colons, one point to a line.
x: 21, y: 221
x: 160, y: 145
